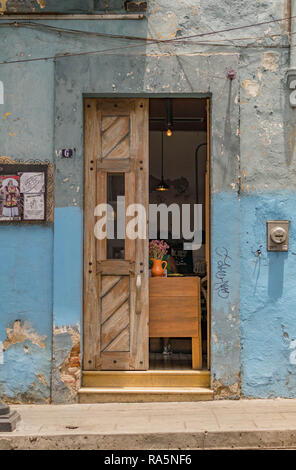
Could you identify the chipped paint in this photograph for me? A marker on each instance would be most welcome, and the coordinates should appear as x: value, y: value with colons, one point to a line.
x: 223, y: 391
x: 24, y: 398
x: 70, y: 367
x: 270, y: 61
x: 42, y: 379
x: 19, y: 333
x: 251, y: 87
x: 67, y: 371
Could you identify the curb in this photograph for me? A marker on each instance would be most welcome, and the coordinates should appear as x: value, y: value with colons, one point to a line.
x: 264, y: 439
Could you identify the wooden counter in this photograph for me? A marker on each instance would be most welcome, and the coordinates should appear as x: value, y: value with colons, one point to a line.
x: 174, y: 311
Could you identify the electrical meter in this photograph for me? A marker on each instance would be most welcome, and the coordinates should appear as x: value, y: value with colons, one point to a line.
x: 277, y: 235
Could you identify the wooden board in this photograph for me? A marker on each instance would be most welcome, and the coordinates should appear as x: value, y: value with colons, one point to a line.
x: 91, y: 320
x: 175, y: 286
x: 174, y: 307
x: 175, y: 311
x: 173, y: 321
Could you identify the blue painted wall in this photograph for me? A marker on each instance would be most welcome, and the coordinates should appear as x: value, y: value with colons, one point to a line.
x: 253, y: 179
x: 68, y: 265
x: 268, y: 302
x: 26, y: 312
x: 67, y: 308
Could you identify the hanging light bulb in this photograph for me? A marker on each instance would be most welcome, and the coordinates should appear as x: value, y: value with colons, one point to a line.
x: 162, y: 186
x: 169, y: 117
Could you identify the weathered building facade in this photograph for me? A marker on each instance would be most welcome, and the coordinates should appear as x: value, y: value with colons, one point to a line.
x: 243, y: 71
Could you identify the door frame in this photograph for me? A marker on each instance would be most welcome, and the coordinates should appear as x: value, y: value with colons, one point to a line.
x: 207, y: 202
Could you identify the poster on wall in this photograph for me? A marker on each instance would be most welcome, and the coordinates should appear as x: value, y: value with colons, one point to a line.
x: 26, y: 192
x: 32, y: 186
x: 10, y: 197
x: 32, y: 183
x: 34, y: 206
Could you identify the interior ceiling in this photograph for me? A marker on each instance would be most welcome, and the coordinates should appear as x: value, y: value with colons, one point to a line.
x: 188, y: 114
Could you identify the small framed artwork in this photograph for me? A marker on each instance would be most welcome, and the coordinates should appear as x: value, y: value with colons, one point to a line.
x: 10, y: 197
x: 26, y: 192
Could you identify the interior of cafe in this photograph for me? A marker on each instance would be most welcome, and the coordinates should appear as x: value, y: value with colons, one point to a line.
x: 177, y: 175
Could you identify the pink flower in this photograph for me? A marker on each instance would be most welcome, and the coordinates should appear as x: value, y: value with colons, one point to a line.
x: 158, y: 248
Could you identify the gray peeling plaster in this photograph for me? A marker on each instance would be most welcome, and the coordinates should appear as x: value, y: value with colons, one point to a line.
x: 198, y: 75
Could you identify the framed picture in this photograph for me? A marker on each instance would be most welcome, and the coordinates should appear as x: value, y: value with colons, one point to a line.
x: 26, y: 192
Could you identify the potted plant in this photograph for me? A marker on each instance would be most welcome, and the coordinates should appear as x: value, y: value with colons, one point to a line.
x: 157, y: 250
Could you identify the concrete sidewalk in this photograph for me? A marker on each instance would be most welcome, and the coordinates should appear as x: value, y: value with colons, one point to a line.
x: 201, y: 425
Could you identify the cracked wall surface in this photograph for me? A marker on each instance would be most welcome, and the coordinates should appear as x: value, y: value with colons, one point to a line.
x: 253, y: 179
x: 66, y: 375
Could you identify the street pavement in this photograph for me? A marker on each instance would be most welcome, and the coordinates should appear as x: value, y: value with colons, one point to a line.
x: 225, y: 424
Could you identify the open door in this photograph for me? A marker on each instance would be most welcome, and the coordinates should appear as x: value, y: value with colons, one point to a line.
x: 116, y: 270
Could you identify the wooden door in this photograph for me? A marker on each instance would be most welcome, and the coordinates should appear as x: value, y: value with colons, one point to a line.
x: 116, y: 302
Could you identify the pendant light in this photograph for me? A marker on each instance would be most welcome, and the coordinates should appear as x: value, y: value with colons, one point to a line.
x: 162, y: 186
x: 169, y: 117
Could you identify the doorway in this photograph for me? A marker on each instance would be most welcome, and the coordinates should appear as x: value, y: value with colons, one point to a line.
x: 122, y: 138
x: 178, y: 167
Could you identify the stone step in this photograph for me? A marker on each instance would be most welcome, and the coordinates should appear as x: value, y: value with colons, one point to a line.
x: 8, y: 419
x: 143, y: 394
x: 149, y: 378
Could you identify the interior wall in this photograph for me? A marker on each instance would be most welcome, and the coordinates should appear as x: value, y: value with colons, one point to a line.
x: 179, y: 169
x: 179, y: 173
x: 179, y: 156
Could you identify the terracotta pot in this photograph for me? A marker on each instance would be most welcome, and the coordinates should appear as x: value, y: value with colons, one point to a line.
x: 158, y: 267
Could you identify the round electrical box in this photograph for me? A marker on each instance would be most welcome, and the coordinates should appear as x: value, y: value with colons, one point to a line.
x: 278, y: 235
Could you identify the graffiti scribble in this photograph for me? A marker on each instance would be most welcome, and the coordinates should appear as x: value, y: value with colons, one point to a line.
x: 223, y: 264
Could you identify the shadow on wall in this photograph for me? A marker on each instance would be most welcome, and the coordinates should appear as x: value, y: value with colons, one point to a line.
x: 228, y: 140
x: 276, y: 266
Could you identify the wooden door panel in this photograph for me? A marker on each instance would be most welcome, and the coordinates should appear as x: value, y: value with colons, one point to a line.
x: 114, y: 298
x: 113, y: 329
x: 121, y: 342
x: 116, y: 138
x: 108, y: 282
x: 115, y: 307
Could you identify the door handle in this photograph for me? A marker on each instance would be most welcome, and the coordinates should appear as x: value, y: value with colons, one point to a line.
x: 138, y: 294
